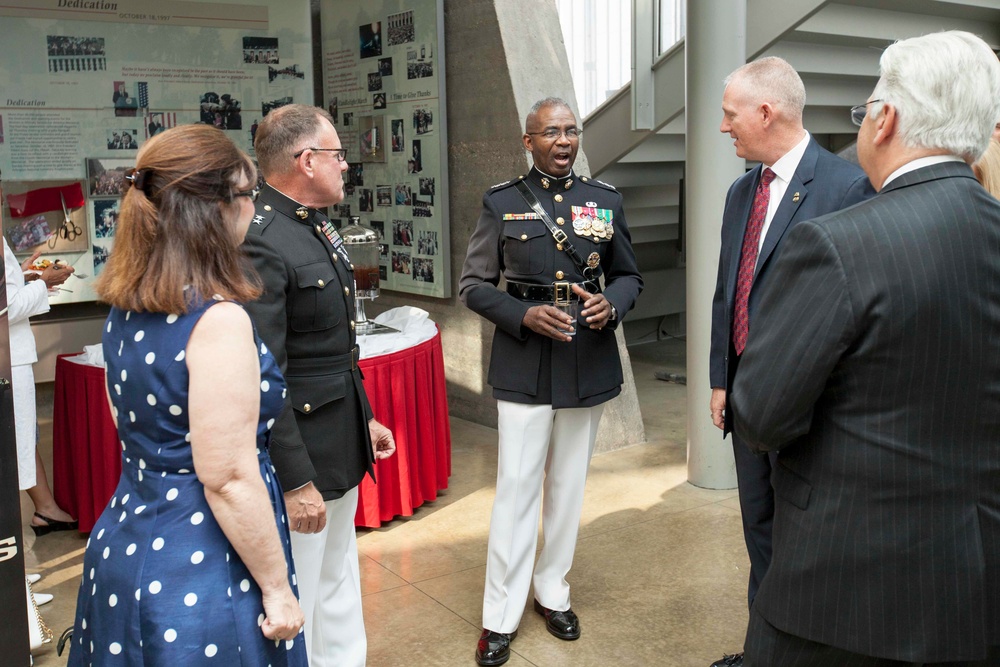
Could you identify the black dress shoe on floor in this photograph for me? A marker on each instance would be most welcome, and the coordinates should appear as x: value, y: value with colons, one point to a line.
x: 494, y: 647
x: 562, y: 624
x: 734, y: 660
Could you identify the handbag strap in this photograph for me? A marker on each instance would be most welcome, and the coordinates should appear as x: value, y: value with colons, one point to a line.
x: 562, y: 240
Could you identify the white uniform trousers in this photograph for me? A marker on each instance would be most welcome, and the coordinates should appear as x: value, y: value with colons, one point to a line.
x: 537, y: 444
x: 329, y: 581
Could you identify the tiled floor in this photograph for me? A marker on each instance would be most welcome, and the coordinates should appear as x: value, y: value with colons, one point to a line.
x: 659, y: 577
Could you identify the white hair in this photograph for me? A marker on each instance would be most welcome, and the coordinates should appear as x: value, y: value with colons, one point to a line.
x: 945, y: 88
x: 773, y: 80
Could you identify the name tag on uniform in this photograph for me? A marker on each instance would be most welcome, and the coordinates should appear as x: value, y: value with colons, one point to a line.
x: 521, y: 216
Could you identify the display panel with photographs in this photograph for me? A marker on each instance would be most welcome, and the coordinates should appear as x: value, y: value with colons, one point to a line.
x: 384, y: 76
x: 88, y: 89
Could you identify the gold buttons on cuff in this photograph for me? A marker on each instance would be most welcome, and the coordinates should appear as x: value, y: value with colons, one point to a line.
x: 560, y: 275
x: 524, y: 237
x: 306, y: 407
x: 558, y: 198
x: 320, y: 282
x: 560, y: 221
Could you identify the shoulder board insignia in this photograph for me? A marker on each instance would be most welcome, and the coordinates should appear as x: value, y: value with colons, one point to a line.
x: 608, y: 186
x: 501, y: 185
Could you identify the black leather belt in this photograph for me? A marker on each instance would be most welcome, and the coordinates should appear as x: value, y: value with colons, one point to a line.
x: 339, y: 363
x: 547, y: 293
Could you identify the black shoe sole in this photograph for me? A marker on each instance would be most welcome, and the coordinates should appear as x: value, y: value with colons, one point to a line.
x: 555, y: 633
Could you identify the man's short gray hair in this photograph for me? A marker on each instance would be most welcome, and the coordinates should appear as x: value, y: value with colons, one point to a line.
x: 773, y: 80
x: 945, y: 88
x: 284, y: 131
x: 543, y: 103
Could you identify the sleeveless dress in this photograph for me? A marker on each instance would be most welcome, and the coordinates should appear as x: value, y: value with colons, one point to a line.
x: 161, y: 583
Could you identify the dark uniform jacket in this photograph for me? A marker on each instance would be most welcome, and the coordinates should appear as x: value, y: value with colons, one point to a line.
x: 510, y: 241
x: 306, y: 317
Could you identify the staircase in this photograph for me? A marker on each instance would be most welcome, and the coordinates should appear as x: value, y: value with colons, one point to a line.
x: 835, y: 46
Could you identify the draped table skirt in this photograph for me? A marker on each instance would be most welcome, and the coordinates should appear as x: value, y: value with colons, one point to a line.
x: 406, y: 389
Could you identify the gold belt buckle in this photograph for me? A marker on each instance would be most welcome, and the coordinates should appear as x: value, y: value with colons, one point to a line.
x: 563, y: 292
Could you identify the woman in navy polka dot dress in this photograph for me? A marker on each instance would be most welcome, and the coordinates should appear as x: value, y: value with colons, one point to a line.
x: 190, y: 562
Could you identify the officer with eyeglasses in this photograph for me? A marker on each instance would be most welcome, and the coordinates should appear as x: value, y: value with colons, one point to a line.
x: 325, y: 440
x: 561, y: 243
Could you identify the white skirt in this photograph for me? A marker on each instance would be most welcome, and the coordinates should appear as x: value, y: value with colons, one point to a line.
x: 25, y: 424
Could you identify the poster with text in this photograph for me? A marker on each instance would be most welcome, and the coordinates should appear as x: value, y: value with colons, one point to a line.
x: 383, y: 82
x: 94, y: 81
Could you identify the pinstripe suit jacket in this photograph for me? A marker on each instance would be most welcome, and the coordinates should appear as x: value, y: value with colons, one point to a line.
x: 874, y: 367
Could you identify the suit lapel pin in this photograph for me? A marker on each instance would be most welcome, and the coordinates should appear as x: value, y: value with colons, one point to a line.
x: 795, y: 197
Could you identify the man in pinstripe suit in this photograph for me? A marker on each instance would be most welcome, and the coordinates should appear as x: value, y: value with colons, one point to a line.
x: 874, y: 367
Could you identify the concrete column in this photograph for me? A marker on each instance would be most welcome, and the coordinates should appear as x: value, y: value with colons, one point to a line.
x: 502, y: 56
x: 715, y: 45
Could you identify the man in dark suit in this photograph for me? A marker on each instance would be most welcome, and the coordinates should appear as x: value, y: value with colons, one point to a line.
x: 796, y: 180
x: 325, y: 440
x: 873, y: 366
x: 551, y: 372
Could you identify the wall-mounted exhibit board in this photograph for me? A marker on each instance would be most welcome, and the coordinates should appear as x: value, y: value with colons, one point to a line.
x: 384, y: 84
x: 87, y: 82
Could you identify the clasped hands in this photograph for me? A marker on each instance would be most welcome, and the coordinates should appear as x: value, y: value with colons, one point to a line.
x: 546, y: 320
x: 304, y: 505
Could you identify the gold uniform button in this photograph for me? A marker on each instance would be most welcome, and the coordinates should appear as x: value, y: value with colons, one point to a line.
x: 347, y: 292
x: 559, y: 246
x: 560, y: 275
x: 352, y: 325
x: 267, y: 207
x: 319, y: 230
x: 560, y: 221
x: 351, y: 267
x: 306, y: 407
x: 524, y: 237
x: 334, y: 256
x: 584, y: 179
x: 320, y: 282
x: 558, y: 198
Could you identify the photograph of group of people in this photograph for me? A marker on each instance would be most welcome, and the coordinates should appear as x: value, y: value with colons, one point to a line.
x: 400, y: 28
x: 123, y: 140
x: 106, y: 176
x: 76, y: 54
x: 221, y: 111
x: 260, y: 50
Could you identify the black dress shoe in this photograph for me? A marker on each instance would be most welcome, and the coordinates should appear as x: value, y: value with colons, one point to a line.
x: 734, y: 660
x: 562, y: 624
x: 494, y: 647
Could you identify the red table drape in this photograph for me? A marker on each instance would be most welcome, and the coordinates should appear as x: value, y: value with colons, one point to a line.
x: 86, y: 454
x: 406, y: 389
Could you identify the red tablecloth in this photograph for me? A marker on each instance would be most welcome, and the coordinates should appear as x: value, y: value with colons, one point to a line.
x: 406, y: 389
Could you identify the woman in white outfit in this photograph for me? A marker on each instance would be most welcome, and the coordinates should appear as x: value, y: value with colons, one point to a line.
x: 25, y: 299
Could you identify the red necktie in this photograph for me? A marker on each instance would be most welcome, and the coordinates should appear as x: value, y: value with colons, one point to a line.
x: 748, y: 260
